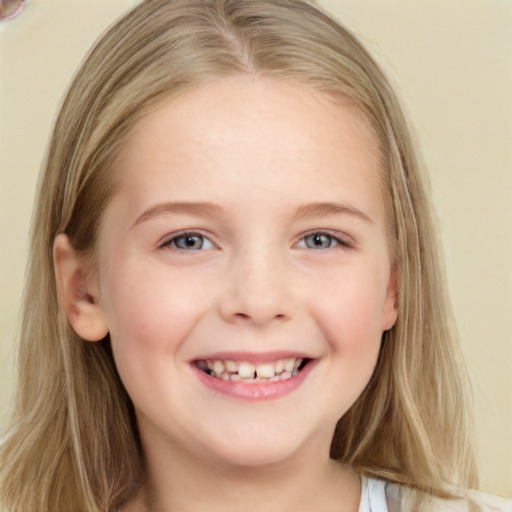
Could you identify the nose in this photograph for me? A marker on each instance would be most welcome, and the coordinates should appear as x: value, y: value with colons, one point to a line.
x: 259, y: 289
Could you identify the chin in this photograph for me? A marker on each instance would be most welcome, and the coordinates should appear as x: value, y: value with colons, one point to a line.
x: 254, y: 458
x: 251, y: 450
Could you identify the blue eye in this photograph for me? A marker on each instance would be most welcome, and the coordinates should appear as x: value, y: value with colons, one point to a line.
x: 190, y: 242
x: 321, y: 241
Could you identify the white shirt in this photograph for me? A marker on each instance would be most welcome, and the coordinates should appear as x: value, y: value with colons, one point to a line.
x: 373, y: 496
x: 373, y: 499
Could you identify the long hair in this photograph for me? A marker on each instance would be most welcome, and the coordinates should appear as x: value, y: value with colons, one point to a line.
x: 72, y: 443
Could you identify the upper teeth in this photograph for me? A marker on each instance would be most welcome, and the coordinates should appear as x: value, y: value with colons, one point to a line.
x: 236, y: 370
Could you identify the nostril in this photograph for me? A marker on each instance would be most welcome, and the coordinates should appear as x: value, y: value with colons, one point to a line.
x: 253, y: 302
x: 259, y: 317
x: 242, y: 315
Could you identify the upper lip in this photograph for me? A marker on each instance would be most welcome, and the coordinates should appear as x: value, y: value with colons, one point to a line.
x: 253, y: 357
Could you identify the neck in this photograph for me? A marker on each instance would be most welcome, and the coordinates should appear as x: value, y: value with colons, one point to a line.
x: 305, y: 482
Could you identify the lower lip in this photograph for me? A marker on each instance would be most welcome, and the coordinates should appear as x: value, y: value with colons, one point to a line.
x: 254, y: 390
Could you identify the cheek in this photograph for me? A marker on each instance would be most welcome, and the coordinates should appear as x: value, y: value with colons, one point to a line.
x: 151, y: 310
x: 150, y: 314
x: 348, y: 308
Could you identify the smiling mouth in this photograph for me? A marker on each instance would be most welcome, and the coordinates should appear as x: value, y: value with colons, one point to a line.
x: 244, y: 371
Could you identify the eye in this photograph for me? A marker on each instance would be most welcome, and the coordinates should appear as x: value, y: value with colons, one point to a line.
x: 321, y: 240
x: 189, y: 242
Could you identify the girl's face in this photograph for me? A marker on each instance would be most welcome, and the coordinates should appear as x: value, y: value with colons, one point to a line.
x: 247, y: 239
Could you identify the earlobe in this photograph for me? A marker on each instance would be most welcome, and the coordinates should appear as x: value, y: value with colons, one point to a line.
x: 391, y: 305
x: 77, y: 291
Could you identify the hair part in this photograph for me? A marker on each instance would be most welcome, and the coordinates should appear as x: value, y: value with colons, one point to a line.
x: 73, y: 442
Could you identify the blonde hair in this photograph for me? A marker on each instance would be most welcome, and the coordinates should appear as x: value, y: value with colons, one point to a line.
x: 73, y: 442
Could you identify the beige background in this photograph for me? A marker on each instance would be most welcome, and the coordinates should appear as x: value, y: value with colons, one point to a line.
x: 452, y: 63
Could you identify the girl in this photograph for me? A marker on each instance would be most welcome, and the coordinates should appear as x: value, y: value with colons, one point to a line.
x: 234, y: 298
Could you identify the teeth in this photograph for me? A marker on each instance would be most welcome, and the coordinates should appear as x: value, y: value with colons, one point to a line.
x: 231, y: 366
x: 218, y: 368
x: 281, y: 369
x: 265, y: 371
x: 246, y: 370
x: 289, y: 365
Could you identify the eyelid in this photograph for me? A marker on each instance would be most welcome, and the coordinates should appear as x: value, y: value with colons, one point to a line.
x: 166, y: 242
x: 344, y: 241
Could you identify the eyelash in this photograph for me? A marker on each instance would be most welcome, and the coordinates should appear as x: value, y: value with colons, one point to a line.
x: 335, y: 241
x: 171, y: 242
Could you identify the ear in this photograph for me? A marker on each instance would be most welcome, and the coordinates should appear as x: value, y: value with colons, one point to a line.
x: 390, y: 312
x: 78, y: 291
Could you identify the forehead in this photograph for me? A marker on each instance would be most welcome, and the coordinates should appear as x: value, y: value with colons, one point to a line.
x: 217, y: 137
x: 249, y: 98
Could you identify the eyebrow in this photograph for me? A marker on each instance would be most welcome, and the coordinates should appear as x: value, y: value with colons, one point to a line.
x: 326, y: 209
x: 210, y: 209
x: 204, y: 209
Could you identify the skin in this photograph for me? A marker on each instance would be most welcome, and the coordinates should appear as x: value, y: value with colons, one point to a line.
x: 260, y: 150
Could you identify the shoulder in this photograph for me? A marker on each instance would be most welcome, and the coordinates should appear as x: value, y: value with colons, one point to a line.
x: 469, y: 501
x: 489, y: 502
x: 382, y: 496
